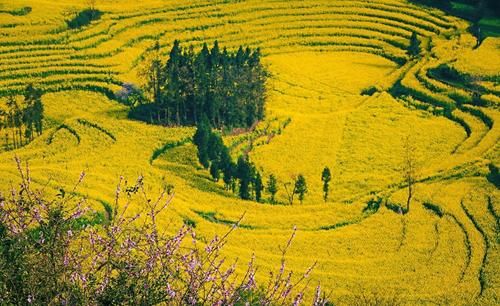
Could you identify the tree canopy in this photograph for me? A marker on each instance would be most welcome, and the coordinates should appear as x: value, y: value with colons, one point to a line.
x: 227, y: 87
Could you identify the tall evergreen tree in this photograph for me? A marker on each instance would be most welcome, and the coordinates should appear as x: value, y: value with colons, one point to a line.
x: 326, y: 177
x: 272, y: 187
x: 200, y: 139
x: 414, y: 47
x: 244, y: 174
x: 38, y: 114
x: 12, y: 118
x: 227, y: 167
x: 214, y: 170
x: 215, y: 146
x: 300, y: 187
x: 33, y: 112
x: 258, y: 187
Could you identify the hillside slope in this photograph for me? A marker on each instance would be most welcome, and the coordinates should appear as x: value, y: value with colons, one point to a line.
x: 321, y: 56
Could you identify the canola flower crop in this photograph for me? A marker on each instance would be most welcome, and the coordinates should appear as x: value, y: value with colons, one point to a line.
x: 321, y: 56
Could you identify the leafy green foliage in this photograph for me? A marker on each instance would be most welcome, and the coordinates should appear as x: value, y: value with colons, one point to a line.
x: 272, y: 187
x: 23, y: 121
x: 414, y: 47
x: 300, y: 187
x: 326, y: 177
x: 84, y: 18
x: 494, y: 175
x: 226, y: 87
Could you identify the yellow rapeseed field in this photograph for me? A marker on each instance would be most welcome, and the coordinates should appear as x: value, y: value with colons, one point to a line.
x: 321, y: 56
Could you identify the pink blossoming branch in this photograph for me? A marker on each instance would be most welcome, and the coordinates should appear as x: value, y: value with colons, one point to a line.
x: 52, y: 251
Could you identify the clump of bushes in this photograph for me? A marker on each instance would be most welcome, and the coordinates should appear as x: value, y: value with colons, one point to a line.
x: 22, y: 11
x: 397, y: 208
x: 55, y: 250
x: 494, y: 175
x: 434, y: 208
x: 369, y: 91
x: 84, y: 18
x: 373, y: 205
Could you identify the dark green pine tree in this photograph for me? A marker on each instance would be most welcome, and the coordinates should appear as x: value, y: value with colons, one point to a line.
x: 244, y: 174
x: 214, y: 170
x: 300, y: 187
x: 272, y: 187
x: 258, y: 187
x: 414, y: 47
x: 38, y: 113
x: 156, y: 74
x: 33, y: 112
x: 200, y: 139
x: 228, y: 167
x: 326, y: 177
x: 28, y: 116
x: 215, y: 146
x: 173, y: 99
x: 14, y: 120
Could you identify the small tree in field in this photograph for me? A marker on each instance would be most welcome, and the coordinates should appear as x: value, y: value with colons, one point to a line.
x: 151, y: 74
x: 200, y: 139
x: 290, y: 189
x: 414, y: 48
x: 301, y: 187
x: 409, y: 168
x: 258, y: 186
x: 297, y: 186
x: 244, y: 174
x: 272, y: 187
x: 326, y: 177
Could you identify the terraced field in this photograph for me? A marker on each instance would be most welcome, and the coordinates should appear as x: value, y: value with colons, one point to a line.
x: 321, y: 55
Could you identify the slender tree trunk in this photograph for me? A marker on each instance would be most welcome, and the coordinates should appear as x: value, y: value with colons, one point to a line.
x: 410, y: 194
x: 14, y: 135
x: 21, y: 136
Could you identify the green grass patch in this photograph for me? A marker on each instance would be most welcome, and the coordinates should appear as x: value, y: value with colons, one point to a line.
x: 211, y: 217
x: 84, y: 18
x: 434, y: 209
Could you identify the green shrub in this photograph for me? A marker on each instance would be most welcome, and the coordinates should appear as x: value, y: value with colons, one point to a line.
x: 369, y: 91
x: 396, y: 208
x: 22, y: 11
x: 494, y: 175
x: 373, y: 205
x: 84, y: 18
x: 434, y: 208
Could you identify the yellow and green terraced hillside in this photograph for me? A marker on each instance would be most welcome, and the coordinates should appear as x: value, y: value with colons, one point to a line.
x: 321, y: 56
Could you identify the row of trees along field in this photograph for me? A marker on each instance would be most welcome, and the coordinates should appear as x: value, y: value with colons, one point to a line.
x: 243, y: 176
x: 22, y: 121
x: 226, y: 87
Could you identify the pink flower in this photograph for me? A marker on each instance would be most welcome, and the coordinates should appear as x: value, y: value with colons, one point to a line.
x: 297, y: 300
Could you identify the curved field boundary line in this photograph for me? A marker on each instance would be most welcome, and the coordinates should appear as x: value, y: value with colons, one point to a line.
x: 66, y: 127
x: 169, y: 145
x: 467, y: 244
x: 482, y: 278
x: 97, y: 127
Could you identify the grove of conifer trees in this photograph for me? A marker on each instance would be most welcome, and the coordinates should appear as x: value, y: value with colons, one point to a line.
x: 227, y: 87
x: 20, y: 122
x: 214, y: 155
